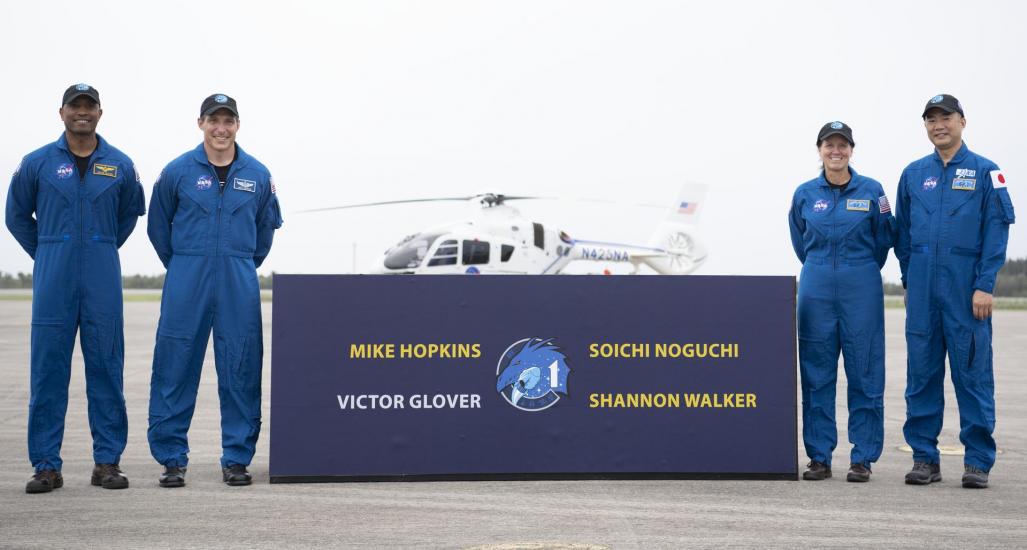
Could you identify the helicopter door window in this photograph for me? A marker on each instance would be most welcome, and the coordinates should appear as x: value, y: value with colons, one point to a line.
x: 446, y: 254
x: 476, y: 252
x: 540, y: 236
x: 506, y: 252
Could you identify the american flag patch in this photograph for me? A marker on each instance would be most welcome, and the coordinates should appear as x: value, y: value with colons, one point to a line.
x: 883, y: 204
x: 688, y: 207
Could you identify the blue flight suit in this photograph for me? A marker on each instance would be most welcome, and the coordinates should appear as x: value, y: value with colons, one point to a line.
x: 952, y: 228
x: 842, y: 240
x: 80, y: 221
x: 211, y: 242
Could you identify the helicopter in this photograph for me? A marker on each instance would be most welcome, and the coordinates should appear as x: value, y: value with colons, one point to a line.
x: 498, y: 239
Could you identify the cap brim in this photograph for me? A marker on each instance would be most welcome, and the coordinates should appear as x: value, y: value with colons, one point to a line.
x: 837, y: 133
x: 80, y: 94
x: 945, y: 108
x: 213, y: 110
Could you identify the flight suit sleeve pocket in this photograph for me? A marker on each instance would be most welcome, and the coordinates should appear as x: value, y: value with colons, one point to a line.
x: 1008, y: 215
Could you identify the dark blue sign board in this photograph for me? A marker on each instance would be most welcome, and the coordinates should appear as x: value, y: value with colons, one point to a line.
x: 449, y: 377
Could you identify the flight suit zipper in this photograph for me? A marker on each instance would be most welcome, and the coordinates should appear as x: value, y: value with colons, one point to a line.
x: 217, y: 232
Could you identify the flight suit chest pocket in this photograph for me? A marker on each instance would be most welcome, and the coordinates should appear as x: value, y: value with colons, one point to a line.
x: 104, y: 208
x: 922, y: 206
x: 964, y: 213
x: 242, y: 224
x: 190, y: 222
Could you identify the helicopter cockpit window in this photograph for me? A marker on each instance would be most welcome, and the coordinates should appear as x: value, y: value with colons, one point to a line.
x: 446, y: 254
x: 476, y: 252
x: 410, y: 252
x: 506, y: 252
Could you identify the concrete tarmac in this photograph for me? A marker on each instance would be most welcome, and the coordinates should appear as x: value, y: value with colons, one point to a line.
x: 539, y: 514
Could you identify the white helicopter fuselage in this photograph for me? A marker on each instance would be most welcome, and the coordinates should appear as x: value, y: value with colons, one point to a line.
x: 501, y: 241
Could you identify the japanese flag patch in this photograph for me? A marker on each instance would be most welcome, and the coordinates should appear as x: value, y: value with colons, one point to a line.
x: 998, y: 180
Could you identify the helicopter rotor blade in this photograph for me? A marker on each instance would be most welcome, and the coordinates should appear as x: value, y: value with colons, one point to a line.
x: 384, y: 203
x: 491, y: 198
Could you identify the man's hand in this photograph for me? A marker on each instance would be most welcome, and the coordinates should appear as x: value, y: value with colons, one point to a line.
x: 982, y: 305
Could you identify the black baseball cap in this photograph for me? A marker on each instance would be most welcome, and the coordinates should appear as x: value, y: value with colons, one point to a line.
x: 946, y: 103
x: 218, y: 101
x: 76, y: 90
x: 836, y: 128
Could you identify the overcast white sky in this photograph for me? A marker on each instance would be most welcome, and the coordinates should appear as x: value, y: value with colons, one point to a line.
x: 364, y: 101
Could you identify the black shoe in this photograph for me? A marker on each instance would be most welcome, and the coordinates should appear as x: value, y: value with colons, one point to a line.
x: 923, y: 474
x: 236, y: 475
x: 109, y: 476
x: 44, y: 481
x: 816, y: 471
x: 858, y: 473
x: 974, y: 477
x: 173, y: 476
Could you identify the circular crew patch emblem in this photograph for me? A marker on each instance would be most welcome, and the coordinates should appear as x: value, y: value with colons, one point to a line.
x: 930, y: 183
x: 532, y: 374
x: 204, y: 182
x: 937, y: 99
x: 836, y: 125
x: 65, y: 170
x: 821, y: 205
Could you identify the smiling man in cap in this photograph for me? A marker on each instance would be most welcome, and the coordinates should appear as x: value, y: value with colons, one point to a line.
x: 953, y: 219
x: 213, y: 215
x: 71, y: 205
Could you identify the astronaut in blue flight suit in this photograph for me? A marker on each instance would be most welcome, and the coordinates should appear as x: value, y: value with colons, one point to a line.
x: 213, y: 214
x: 71, y: 205
x: 953, y: 217
x: 841, y: 229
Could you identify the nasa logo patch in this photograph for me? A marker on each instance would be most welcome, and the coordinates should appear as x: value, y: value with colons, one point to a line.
x: 821, y: 205
x: 65, y: 170
x: 204, y: 182
x: 82, y: 87
x: 930, y: 183
x: 532, y: 374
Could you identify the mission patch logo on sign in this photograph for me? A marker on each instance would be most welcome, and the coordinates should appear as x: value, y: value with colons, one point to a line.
x: 532, y: 374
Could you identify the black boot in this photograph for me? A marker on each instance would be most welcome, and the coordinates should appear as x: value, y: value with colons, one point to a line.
x: 109, y: 476
x: 858, y: 473
x: 44, y: 481
x: 236, y: 475
x: 974, y: 477
x: 173, y: 476
x: 816, y: 471
x: 923, y: 474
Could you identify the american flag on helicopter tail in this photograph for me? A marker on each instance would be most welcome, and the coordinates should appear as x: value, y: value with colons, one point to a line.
x: 883, y: 204
x: 688, y: 207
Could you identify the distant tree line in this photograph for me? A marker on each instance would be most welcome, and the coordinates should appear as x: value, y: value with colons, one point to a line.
x: 1011, y: 281
x: 24, y: 280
